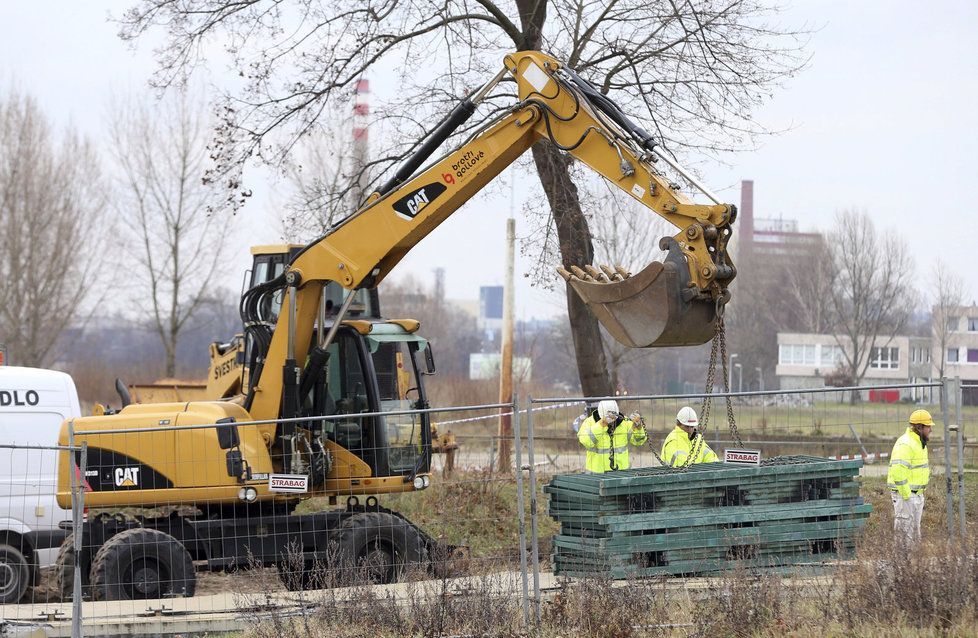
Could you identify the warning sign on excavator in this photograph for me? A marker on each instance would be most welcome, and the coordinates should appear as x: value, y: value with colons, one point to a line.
x: 291, y: 483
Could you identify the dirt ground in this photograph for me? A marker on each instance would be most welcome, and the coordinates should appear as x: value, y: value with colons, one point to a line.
x: 251, y: 581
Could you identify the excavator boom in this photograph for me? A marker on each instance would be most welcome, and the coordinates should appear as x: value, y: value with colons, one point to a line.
x: 670, y: 304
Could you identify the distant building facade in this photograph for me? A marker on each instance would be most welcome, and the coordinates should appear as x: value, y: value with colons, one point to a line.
x: 804, y: 360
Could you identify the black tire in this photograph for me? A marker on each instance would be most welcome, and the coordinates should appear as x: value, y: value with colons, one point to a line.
x: 15, y: 574
x: 377, y: 547
x: 64, y: 571
x: 142, y: 563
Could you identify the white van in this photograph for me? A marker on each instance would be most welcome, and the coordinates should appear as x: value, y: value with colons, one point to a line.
x: 33, y: 403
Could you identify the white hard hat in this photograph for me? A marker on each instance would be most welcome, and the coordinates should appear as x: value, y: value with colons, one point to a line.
x: 687, y: 417
x: 607, y: 407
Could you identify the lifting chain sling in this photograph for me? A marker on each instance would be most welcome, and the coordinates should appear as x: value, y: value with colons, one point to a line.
x: 718, y: 349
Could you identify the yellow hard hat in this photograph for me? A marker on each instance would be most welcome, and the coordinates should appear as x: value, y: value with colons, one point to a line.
x: 921, y: 417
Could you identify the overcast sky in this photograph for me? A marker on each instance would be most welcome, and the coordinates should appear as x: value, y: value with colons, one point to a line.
x: 882, y: 120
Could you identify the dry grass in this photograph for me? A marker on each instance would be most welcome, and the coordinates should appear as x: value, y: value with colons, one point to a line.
x: 930, y: 591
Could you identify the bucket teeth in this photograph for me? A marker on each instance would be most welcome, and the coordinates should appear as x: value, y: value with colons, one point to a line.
x: 596, y: 274
x: 580, y: 274
x: 611, y: 274
x: 601, y: 275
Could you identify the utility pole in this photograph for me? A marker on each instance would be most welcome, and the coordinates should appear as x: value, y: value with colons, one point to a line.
x: 730, y: 367
x: 506, y: 356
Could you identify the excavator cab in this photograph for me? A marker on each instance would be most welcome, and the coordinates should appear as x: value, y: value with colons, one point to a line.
x: 376, y: 367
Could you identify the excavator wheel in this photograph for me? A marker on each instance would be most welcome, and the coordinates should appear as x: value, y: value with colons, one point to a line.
x: 142, y: 563
x: 64, y: 571
x: 377, y: 547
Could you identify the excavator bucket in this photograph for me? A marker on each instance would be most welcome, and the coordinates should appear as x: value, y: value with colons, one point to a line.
x: 652, y: 309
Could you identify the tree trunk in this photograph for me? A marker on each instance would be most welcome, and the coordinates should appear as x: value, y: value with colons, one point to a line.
x: 574, y: 239
x: 573, y: 234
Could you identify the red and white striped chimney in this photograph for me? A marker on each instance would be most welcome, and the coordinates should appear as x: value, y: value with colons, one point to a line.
x: 361, y: 112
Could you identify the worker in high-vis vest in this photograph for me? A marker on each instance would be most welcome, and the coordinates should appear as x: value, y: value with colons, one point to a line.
x: 908, y: 476
x: 607, y: 437
x: 685, y: 439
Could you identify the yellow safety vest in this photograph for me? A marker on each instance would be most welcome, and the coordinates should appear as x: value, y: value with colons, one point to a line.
x: 602, y: 451
x: 909, y: 467
x: 678, y: 446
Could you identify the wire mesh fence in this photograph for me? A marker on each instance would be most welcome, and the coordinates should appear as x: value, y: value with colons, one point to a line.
x: 204, y: 512
x: 200, y: 513
x: 35, y: 523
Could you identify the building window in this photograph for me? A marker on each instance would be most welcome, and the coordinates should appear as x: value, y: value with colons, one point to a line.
x: 972, y: 355
x: 884, y: 358
x: 798, y: 355
x: 913, y: 355
x: 973, y: 324
x: 831, y: 356
x: 952, y: 323
x: 952, y: 355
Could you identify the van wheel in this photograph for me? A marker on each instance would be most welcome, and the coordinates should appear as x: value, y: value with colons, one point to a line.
x: 142, y: 563
x: 64, y: 571
x: 15, y: 574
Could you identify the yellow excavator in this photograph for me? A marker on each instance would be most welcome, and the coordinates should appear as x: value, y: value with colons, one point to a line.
x: 335, y: 406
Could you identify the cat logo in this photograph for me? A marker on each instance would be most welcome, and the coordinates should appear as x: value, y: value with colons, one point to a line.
x: 415, y: 201
x: 127, y: 477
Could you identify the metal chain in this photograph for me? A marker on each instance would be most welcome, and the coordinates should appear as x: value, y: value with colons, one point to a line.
x: 718, y: 350
x: 721, y: 336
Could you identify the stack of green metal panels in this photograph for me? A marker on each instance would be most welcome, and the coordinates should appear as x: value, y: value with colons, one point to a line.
x: 710, y: 517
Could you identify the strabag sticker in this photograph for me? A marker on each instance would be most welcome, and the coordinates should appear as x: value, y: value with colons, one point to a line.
x: 742, y: 457
x: 289, y: 483
x: 536, y: 77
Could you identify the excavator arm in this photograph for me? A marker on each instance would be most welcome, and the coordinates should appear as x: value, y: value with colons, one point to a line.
x: 666, y: 304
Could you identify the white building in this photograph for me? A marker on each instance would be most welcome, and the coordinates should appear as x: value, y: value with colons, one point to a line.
x: 961, y: 348
x: 804, y: 360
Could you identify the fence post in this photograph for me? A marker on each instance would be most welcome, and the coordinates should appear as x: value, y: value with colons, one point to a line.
x: 77, y: 523
x: 521, y: 511
x: 959, y: 420
x: 945, y: 398
x: 859, y: 442
x: 535, y: 542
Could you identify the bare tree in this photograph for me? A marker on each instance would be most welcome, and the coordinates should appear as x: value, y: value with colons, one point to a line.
x: 873, y: 291
x: 451, y: 329
x: 692, y: 71
x: 948, y: 290
x: 810, y: 290
x: 322, y: 168
x: 627, y: 238
x: 51, y: 216
x: 177, y: 245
